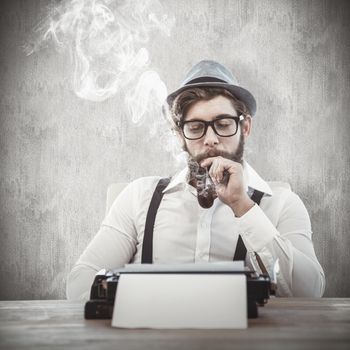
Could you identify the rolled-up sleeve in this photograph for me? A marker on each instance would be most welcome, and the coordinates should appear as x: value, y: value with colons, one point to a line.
x: 289, y: 242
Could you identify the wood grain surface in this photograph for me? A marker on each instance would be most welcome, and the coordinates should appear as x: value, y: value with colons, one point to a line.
x: 282, y: 324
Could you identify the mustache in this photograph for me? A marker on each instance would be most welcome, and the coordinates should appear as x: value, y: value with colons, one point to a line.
x: 215, y: 153
x: 236, y: 156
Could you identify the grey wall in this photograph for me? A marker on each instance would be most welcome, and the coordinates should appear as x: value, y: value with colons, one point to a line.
x: 59, y: 153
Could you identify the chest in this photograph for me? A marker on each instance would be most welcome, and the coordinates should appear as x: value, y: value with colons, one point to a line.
x: 185, y: 232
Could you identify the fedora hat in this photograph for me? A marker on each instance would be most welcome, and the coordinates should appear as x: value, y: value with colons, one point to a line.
x: 209, y: 73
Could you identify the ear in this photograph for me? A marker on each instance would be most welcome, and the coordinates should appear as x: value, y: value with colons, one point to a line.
x: 180, y: 138
x: 247, y: 126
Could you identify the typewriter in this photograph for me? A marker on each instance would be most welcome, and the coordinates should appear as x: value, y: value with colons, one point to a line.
x: 105, y: 285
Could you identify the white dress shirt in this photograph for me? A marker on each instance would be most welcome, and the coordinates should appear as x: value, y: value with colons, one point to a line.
x: 184, y: 232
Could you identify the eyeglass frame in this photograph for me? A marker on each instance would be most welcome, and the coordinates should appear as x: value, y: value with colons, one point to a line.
x: 237, y: 119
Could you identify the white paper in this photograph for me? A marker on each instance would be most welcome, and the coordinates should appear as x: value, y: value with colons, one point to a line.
x: 181, y: 301
x: 222, y: 266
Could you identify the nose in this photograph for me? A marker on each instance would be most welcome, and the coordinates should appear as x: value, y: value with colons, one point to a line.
x: 210, y: 138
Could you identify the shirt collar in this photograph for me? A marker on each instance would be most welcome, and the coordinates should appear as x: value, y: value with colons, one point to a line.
x: 252, y: 178
x: 179, y: 178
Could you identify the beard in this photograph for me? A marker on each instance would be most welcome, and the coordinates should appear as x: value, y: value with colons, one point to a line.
x: 194, y: 161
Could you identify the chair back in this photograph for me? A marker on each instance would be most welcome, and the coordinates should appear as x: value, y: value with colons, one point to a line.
x: 113, y: 192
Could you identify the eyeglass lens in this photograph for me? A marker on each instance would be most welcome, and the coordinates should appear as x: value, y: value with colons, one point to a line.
x: 222, y: 127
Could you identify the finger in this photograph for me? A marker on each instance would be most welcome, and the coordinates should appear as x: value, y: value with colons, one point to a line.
x: 221, y: 170
x: 220, y: 189
x: 224, y: 175
x: 235, y: 168
x: 213, y: 171
x: 207, y: 162
x: 221, y: 166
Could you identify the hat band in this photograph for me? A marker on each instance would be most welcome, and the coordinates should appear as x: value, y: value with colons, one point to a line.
x: 205, y: 80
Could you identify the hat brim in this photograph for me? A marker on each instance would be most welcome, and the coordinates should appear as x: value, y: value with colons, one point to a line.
x: 242, y: 94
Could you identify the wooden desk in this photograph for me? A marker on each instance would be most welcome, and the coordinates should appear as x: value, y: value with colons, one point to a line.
x: 283, y: 324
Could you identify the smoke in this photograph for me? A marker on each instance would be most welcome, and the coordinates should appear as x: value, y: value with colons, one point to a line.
x: 148, y: 96
x: 107, y: 42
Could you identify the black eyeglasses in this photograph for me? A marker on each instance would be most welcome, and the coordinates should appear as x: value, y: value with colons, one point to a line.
x: 224, y: 125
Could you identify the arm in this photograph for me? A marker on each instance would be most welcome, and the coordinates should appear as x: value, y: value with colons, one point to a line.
x: 290, y: 242
x: 113, y: 246
x: 109, y: 249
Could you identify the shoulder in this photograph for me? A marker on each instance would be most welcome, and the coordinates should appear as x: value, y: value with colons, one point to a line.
x: 279, y: 187
x: 145, y: 181
x: 144, y: 184
x: 131, y: 196
x: 136, y: 188
x: 286, y: 199
x: 283, y: 191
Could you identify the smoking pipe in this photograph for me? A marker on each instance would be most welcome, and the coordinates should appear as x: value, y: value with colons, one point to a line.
x: 206, y: 192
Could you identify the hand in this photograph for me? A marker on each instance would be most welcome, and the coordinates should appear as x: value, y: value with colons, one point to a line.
x: 232, y: 192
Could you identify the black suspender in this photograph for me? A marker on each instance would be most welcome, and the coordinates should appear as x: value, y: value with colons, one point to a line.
x: 241, y: 250
x: 257, y: 196
x: 147, y: 245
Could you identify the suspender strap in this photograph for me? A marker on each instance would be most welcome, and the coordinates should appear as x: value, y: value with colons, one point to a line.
x: 147, y: 245
x: 256, y: 196
x: 241, y: 250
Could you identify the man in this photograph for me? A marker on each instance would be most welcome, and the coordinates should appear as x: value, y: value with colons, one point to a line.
x: 212, y: 115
